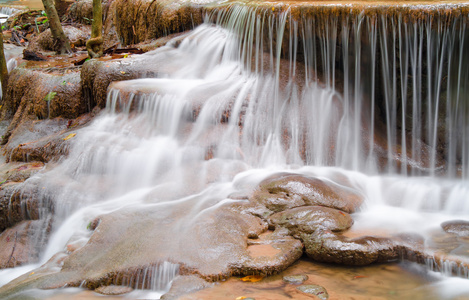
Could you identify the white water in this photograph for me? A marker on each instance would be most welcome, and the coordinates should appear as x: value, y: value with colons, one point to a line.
x: 180, y: 141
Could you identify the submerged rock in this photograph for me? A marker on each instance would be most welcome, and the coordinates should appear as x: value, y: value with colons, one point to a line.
x: 182, y: 285
x: 295, y: 279
x: 284, y: 191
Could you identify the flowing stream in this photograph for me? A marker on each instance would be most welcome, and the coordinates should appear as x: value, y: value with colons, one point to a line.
x: 378, y: 102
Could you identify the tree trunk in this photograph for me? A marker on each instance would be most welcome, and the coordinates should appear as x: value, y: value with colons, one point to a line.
x: 95, y: 44
x: 3, y: 67
x: 61, y: 40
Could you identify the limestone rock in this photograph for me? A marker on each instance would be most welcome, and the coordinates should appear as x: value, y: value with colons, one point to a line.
x: 308, y: 219
x: 284, y: 191
x: 42, y: 94
x: 18, y: 245
x: 295, y: 279
x: 80, y: 11
x: 182, y: 285
x: 458, y: 227
x: 18, y: 202
x: 45, y: 42
x: 112, y: 290
x: 315, y: 290
x: 328, y: 247
x: 23, y: 171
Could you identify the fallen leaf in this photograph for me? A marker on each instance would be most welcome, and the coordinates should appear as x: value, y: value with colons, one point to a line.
x: 69, y: 136
x: 252, y: 278
x: 50, y: 96
x: 122, y: 72
x: 359, y: 276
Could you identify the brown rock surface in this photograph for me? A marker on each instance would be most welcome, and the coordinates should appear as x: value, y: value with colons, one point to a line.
x: 284, y: 191
x: 308, y: 219
x: 111, y: 290
x: 458, y: 227
x: 325, y: 246
x: 45, y: 42
x: 20, y: 243
x: 182, y: 285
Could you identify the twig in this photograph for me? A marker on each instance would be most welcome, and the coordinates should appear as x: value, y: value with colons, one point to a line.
x: 14, y: 247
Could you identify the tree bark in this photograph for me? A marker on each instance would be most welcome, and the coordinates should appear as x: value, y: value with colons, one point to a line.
x: 95, y: 44
x: 61, y: 40
x: 3, y: 67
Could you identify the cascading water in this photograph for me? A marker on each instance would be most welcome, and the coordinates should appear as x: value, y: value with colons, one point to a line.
x: 251, y: 93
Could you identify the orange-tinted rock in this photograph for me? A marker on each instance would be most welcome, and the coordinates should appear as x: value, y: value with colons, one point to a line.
x: 18, y: 245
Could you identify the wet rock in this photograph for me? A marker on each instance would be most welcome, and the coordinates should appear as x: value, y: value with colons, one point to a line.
x: 182, y: 285
x: 22, y: 171
x: 295, y: 279
x: 141, y: 20
x: 325, y: 246
x: 21, y: 243
x: 113, y: 290
x: 308, y: 219
x: 315, y: 290
x: 458, y: 227
x: 16, y: 205
x: 97, y: 75
x: 213, y: 246
x: 272, y: 253
x: 80, y: 11
x: 45, y: 42
x: 42, y: 94
x: 38, y: 140
x: 284, y: 191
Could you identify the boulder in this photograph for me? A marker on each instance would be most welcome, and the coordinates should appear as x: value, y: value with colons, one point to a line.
x: 458, y: 227
x: 308, y: 219
x: 284, y: 191
x: 45, y: 42
x: 325, y: 246
x: 80, y: 11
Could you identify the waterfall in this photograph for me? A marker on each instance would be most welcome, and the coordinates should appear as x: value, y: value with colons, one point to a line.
x: 399, y: 75
x: 375, y: 100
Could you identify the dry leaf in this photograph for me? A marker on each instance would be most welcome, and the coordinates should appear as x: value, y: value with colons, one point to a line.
x: 252, y: 278
x: 69, y: 136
